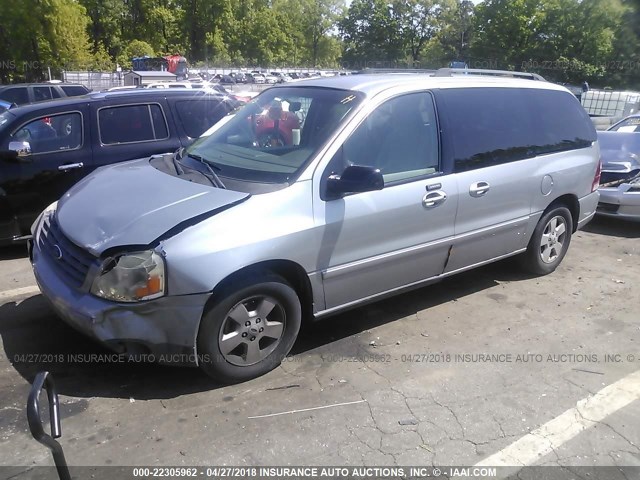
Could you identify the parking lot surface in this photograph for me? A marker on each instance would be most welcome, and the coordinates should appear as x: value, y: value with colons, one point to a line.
x: 489, y: 367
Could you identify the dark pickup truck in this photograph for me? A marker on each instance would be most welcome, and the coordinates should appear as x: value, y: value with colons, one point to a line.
x: 46, y: 147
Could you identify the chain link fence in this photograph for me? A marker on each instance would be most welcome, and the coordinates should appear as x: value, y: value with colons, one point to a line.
x: 95, y: 81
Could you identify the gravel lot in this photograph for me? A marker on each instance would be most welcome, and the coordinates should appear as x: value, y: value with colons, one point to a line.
x: 487, y: 366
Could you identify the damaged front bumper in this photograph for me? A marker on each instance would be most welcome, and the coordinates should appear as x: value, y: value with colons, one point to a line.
x: 621, y: 201
x: 163, y: 330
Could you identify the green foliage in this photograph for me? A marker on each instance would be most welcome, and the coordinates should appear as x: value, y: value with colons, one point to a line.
x: 564, y: 40
x: 371, y: 34
x: 454, y: 38
x: 135, y: 48
x: 38, y: 36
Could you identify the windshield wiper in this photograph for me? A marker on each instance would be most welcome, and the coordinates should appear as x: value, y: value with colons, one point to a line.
x: 177, y: 155
x: 210, y: 166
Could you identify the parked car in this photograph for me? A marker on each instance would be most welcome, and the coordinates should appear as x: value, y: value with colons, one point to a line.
x: 228, y: 79
x: 270, y: 79
x: 46, y: 147
x: 255, y: 77
x: 378, y: 192
x: 280, y: 77
x: 123, y: 87
x: 239, y: 77
x: 628, y: 124
x: 171, y: 85
x: 21, y: 93
x: 620, y: 182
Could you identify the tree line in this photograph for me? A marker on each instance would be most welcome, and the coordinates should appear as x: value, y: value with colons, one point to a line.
x: 564, y: 40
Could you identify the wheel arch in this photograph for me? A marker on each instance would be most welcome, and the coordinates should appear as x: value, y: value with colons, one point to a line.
x: 290, y: 271
x: 571, y: 202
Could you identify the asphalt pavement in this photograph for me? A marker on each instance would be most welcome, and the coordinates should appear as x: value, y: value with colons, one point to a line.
x: 491, y: 367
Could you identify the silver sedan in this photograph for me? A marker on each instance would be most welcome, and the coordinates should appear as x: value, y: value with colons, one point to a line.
x: 620, y: 180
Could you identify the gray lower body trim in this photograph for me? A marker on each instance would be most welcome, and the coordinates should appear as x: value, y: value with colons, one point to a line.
x: 409, y: 286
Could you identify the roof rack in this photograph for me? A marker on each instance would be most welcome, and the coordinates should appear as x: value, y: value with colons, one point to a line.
x: 450, y: 72
x: 395, y: 70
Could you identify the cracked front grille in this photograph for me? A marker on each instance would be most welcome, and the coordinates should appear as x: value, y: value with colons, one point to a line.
x: 71, y: 260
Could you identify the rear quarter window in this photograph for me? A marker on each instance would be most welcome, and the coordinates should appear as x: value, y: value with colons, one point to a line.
x: 74, y: 90
x: 492, y: 126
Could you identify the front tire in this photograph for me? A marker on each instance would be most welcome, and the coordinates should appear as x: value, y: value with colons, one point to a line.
x: 549, y: 243
x: 250, y: 330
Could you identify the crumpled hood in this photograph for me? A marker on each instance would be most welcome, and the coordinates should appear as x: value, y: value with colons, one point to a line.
x: 133, y: 203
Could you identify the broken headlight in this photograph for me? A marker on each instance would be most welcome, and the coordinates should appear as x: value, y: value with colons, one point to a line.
x: 131, y: 277
x: 635, y: 185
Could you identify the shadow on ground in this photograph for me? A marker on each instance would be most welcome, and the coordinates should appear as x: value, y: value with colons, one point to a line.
x: 35, y: 339
x: 614, y: 227
x: 13, y: 252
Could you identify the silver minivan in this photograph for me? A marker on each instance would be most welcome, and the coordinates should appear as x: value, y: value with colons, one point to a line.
x: 315, y: 197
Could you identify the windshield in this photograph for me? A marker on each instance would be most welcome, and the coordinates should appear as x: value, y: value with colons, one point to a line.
x: 631, y: 124
x: 273, y: 137
x: 616, y: 145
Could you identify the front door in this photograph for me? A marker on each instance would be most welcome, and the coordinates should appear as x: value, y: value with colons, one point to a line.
x: 59, y: 149
x: 378, y: 241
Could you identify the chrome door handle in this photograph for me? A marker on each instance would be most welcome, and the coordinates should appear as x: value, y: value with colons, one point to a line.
x: 70, y: 166
x: 478, y: 189
x: 433, y: 199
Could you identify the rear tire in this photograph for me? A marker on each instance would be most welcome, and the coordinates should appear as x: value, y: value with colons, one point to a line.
x: 250, y: 330
x: 549, y: 242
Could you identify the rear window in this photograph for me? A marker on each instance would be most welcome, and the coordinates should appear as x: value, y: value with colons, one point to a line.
x: 132, y: 123
x: 17, y: 95
x: 197, y: 116
x: 491, y: 126
x: 74, y: 90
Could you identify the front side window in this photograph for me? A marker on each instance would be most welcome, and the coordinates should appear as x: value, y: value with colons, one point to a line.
x: 400, y: 138
x: 132, y: 123
x: 273, y: 136
x: 52, y: 134
x: 492, y: 126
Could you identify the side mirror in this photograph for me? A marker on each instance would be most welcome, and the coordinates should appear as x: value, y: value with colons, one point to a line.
x: 354, y: 179
x: 23, y: 149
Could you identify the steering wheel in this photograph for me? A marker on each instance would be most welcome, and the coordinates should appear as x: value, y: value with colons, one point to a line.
x: 271, y: 139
